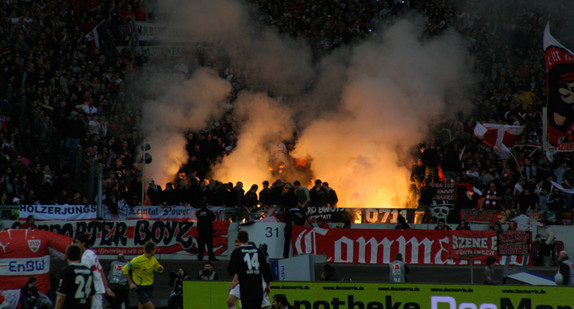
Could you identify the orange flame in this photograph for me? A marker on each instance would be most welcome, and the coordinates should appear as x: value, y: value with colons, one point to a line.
x: 358, y: 217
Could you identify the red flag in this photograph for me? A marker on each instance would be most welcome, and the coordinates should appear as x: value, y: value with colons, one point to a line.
x: 94, y: 38
x: 499, y: 137
x: 131, y: 32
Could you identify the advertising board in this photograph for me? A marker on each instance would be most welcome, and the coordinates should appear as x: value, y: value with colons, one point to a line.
x: 311, y: 295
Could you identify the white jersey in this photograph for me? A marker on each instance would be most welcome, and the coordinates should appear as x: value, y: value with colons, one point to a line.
x: 90, y: 259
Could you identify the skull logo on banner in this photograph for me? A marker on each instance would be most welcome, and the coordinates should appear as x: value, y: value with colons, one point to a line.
x: 439, y: 212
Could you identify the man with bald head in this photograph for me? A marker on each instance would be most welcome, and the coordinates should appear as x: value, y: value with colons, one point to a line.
x: 119, y: 283
x: 566, y: 270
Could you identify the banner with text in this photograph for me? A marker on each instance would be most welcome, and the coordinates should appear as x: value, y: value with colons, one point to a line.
x: 444, y: 191
x: 472, y: 244
x: 26, y: 253
x: 480, y: 215
x: 128, y: 237
x: 148, y: 31
x: 360, y: 295
x: 514, y: 242
x: 124, y: 32
x: 378, y: 215
x: 330, y: 214
x: 59, y: 212
x: 171, y: 213
x: 165, y: 51
x: 366, y: 246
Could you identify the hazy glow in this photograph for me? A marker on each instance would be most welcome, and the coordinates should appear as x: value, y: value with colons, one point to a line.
x: 357, y: 111
x: 187, y: 105
x: 262, y: 121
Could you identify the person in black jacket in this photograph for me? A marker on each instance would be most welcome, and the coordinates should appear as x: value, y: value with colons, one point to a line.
x: 402, y: 223
x: 288, y: 198
x: 205, y: 218
x: 451, y: 164
x: 332, y: 198
x: 31, y: 298
x: 431, y: 160
x: 251, y: 268
x: 294, y: 216
x: 154, y: 192
x: 489, y: 277
x: 176, y: 283
x: 265, y: 194
x: 207, y: 273
x: 319, y: 197
x: 329, y: 273
x: 76, y: 288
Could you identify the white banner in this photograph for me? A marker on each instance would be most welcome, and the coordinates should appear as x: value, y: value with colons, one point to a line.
x: 561, y: 188
x: 30, y: 266
x: 149, y: 31
x: 59, y: 212
x: 171, y: 213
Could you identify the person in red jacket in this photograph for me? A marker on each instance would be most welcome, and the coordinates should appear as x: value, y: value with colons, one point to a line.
x: 30, y: 223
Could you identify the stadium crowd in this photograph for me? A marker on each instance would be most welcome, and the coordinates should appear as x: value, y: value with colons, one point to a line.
x: 66, y: 106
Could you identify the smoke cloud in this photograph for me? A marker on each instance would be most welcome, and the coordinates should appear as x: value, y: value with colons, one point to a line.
x: 183, y: 105
x: 358, y: 112
x: 262, y: 121
x: 268, y: 61
x: 397, y: 87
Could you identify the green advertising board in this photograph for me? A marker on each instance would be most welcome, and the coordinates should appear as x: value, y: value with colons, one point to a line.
x: 320, y: 295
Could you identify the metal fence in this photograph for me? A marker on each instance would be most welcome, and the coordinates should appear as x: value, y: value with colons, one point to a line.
x: 38, y: 133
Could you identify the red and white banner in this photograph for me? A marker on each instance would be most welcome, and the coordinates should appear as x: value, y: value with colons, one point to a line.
x: 499, y: 137
x: 472, y: 244
x: 178, y: 238
x: 514, y: 242
x: 25, y: 253
x: 373, y: 246
x: 559, y: 121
